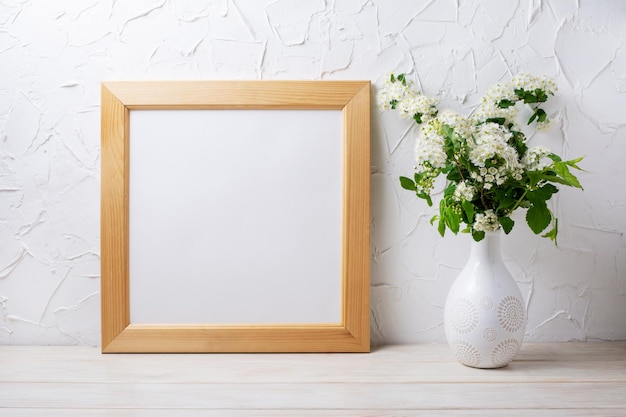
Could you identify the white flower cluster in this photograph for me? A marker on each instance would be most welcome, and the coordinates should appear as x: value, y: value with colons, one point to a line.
x: 489, y: 107
x: 461, y: 124
x: 483, y: 156
x: 392, y: 91
x: 490, y: 104
x: 408, y: 101
x: 491, y: 144
x: 492, y: 175
x: 486, y: 222
x: 531, y: 83
x: 429, y: 144
x: 464, y: 192
x: 413, y: 104
x: 536, y: 159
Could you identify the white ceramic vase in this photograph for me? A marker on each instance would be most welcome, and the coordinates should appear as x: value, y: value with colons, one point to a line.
x: 484, y: 316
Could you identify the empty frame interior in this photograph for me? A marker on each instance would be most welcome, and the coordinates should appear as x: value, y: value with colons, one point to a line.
x: 254, y: 211
x: 235, y: 216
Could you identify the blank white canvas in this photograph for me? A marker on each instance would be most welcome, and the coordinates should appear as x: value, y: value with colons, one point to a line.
x: 235, y: 216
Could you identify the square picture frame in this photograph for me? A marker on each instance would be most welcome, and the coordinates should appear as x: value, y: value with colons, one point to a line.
x: 351, y: 333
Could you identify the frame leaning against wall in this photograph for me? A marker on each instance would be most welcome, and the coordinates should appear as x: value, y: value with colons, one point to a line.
x: 352, y: 98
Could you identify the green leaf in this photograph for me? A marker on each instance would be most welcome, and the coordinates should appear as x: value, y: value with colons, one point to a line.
x: 530, y: 97
x: 541, y: 194
x: 541, y: 115
x: 573, y: 162
x: 538, y: 217
x: 534, y: 177
x: 408, y: 184
x: 541, y: 95
x: 393, y: 104
x: 454, y: 175
x: 448, y: 132
x: 469, y: 210
x: 443, y: 216
x: 418, y: 118
x: 518, y: 140
x: 426, y: 197
x: 452, y: 220
x: 562, y: 171
x: 508, y: 197
x: 505, y: 104
x: 498, y: 120
x: 554, y: 157
x: 552, y: 233
x: 449, y: 190
x: 441, y: 227
x: 449, y: 167
x: 402, y: 79
x: 506, y: 223
x: 392, y: 78
x: 478, y: 236
x: 553, y: 178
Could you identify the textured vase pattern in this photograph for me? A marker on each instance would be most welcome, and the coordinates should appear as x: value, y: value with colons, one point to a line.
x: 484, y: 316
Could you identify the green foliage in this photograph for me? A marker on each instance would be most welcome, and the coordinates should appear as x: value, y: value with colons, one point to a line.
x: 553, y: 233
x: 561, y: 168
x: 529, y: 97
x: 408, y: 184
x: 539, y: 114
x: 505, y: 104
x: 538, y: 217
x: 498, y: 120
x: 507, y: 224
x: 478, y: 235
x: 481, y: 195
x: 469, y: 210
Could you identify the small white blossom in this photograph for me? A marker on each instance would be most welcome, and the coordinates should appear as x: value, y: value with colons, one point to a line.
x: 412, y: 104
x: 530, y: 82
x: 486, y: 222
x: 491, y: 141
x: 536, y: 158
x: 464, y: 192
x: 391, y: 91
x: 461, y: 124
x: 500, y: 91
x: 429, y: 151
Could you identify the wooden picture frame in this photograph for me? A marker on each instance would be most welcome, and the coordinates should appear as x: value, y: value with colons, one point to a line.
x: 352, y: 98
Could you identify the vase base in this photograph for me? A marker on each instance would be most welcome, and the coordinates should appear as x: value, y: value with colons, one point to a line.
x: 485, y: 367
x: 485, y: 356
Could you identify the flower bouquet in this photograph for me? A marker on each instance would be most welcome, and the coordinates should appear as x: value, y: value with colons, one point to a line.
x: 489, y: 168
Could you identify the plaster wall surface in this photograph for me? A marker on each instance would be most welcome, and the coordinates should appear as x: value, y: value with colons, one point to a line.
x: 54, y: 54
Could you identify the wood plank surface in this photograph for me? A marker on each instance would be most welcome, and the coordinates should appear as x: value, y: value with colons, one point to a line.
x: 572, y: 379
x: 29, y: 412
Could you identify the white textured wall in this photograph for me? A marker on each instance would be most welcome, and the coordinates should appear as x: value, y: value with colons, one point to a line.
x: 53, y: 55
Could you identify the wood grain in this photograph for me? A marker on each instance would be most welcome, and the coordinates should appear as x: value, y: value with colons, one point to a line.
x: 259, y: 95
x: 573, y: 379
x: 115, y: 308
x: 119, y: 99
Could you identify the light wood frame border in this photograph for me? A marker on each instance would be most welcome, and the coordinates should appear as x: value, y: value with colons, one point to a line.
x: 119, y: 98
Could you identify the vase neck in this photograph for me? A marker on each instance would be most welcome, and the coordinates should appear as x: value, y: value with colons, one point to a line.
x: 489, y: 246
